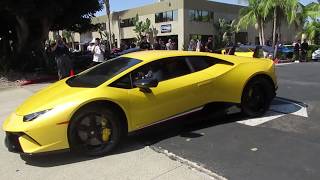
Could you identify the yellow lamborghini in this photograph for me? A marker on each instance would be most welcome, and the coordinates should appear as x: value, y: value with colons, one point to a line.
x: 91, y: 112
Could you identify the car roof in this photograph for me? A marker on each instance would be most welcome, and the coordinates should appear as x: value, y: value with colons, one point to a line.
x: 151, y: 55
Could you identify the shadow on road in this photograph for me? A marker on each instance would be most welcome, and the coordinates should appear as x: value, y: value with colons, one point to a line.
x: 182, y: 126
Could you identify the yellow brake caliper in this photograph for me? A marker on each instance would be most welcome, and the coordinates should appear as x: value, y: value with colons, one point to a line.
x: 105, y: 131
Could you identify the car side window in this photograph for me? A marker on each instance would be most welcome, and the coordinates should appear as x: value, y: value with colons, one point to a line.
x: 163, y: 69
x: 199, y: 63
x: 124, y: 82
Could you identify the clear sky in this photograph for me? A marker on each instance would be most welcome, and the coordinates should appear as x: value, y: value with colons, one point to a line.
x: 118, y: 5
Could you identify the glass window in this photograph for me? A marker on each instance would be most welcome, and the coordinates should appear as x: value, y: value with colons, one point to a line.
x: 124, y: 82
x: 192, y: 15
x: 102, y: 73
x: 175, y: 15
x: 200, y: 15
x: 166, y: 16
x: 205, y: 16
x: 127, y: 22
x: 169, y: 16
x: 163, y: 69
x: 199, y: 63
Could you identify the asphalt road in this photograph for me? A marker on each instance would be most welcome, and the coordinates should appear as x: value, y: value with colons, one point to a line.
x: 286, y: 147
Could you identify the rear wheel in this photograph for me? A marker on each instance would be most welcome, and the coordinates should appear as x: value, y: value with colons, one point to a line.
x: 256, y: 97
x: 95, y: 131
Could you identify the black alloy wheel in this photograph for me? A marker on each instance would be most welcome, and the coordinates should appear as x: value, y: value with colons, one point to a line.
x: 95, y: 131
x: 257, y: 97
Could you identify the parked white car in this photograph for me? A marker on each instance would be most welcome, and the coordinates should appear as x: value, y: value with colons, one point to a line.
x: 316, y: 55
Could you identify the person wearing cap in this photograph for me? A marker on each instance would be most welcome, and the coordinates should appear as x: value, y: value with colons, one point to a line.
x: 98, y: 51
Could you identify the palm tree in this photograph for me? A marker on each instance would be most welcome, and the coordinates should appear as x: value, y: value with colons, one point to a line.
x: 224, y: 31
x: 253, y: 15
x: 311, y: 22
x: 107, y: 4
x: 141, y: 28
x: 278, y: 9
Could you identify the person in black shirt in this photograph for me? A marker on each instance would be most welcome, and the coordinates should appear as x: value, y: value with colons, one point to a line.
x: 304, y: 50
x: 296, y: 51
x: 156, y: 45
x: 61, y: 53
x: 209, y: 45
x: 145, y: 45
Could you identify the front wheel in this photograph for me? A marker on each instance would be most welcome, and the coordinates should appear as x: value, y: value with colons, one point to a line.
x: 256, y: 97
x: 95, y: 131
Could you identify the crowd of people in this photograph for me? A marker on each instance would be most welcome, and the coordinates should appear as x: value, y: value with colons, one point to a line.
x: 99, y: 52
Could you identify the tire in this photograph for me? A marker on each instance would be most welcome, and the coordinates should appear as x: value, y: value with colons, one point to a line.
x: 95, y: 131
x: 256, y: 97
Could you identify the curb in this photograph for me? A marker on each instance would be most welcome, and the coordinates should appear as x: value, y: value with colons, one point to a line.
x: 192, y: 165
x: 38, y: 80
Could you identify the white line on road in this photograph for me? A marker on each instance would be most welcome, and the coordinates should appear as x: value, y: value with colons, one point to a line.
x: 277, y: 111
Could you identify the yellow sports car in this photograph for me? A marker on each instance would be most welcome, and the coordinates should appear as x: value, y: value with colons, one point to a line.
x: 91, y: 112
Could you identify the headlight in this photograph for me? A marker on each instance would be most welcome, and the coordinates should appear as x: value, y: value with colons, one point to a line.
x: 33, y: 116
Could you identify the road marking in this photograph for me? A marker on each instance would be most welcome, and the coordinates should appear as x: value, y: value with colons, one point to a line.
x: 270, y: 115
x: 283, y: 64
x: 284, y: 107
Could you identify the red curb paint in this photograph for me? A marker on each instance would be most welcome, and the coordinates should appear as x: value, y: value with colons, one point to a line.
x: 39, y: 80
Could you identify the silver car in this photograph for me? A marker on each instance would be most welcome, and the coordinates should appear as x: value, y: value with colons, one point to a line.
x: 316, y: 55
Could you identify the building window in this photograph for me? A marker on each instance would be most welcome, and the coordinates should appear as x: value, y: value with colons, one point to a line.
x: 127, y: 22
x: 166, y: 16
x: 200, y: 16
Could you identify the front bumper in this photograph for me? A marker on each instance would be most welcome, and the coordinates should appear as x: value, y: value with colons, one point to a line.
x: 44, y: 134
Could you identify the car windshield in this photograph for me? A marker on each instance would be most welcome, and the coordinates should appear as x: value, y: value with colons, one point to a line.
x: 102, y: 73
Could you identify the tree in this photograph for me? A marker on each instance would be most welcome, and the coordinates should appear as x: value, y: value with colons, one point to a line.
x: 311, y: 22
x: 31, y: 21
x: 141, y: 28
x: 279, y: 9
x: 253, y: 15
x: 224, y: 31
x: 69, y: 35
x: 107, y: 5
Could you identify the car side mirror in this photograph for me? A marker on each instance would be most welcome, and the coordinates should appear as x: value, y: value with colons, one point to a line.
x: 146, y: 84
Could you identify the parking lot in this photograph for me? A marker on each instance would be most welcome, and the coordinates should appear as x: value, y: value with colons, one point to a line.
x: 284, y: 144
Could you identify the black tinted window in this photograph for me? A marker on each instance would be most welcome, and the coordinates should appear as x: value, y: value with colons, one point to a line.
x: 124, y: 82
x: 199, y: 63
x: 103, y: 72
x: 163, y: 69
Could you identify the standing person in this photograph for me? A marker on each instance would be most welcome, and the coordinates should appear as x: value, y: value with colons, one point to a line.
x: 296, y: 51
x: 145, y: 45
x: 304, y: 50
x: 90, y: 46
x: 198, y: 46
x: 162, y: 45
x: 169, y: 45
x: 61, y: 53
x: 192, y: 45
x: 98, y: 51
x: 156, y: 45
x: 209, y: 45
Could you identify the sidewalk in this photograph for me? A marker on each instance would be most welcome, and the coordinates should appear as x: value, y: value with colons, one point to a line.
x: 131, y: 161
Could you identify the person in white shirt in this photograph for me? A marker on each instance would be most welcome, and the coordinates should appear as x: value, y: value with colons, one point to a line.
x: 91, y: 44
x: 98, y: 51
